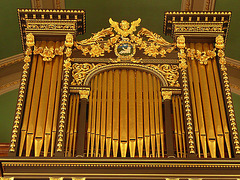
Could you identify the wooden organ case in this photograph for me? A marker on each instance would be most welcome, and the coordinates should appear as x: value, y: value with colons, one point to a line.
x: 125, y: 103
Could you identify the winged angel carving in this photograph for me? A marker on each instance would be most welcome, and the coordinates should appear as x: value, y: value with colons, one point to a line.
x: 96, y: 46
x: 124, y: 30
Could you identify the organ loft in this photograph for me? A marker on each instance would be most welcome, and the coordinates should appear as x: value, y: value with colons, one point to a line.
x: 124, y: 103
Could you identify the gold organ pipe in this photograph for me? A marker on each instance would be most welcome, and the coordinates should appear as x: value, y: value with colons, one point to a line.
x: 76, y: 124
x: 139, y: 106
x: 51, y: 103
x: 28, y: 102
x: 151, y: 111
x: 73, y: 116
x: 194, y: 109
x: 179, y: 132
x: 214, y: 103
x: 146, y: 114
x: 182, y: 126
x: 116, y: 112
x: 221, y: 106
x: 94, y: 109
x: 98, y: 121
x: 55, y: 118
x: 157, y: 119
x: 175, y: 124
x: 207, y: 106
x: 132, y: 112
x: 35, y: 103
x: 199, y: 104
x: 161, y: 117
x: 103, y: 113
x: 123, y: 114
x: 43, y: 106
x: 89, y: 118
x: 69, y: 124
x: 109, y: 113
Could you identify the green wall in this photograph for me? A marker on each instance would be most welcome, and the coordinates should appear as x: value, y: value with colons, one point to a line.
x: 98, y: 12
x: 10, y: 38
x: 233, y: 39
x: 8, y: 103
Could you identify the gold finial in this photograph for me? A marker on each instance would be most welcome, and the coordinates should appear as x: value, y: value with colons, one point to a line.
x: 30, y: 40
x: 181, y: 42
x: 69, y: 40
x: 219, y: 42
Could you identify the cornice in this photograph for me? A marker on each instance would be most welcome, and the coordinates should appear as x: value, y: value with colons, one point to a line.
x: 11, y: 60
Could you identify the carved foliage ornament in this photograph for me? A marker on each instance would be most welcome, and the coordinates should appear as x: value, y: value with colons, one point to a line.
x: 124, y: 42
x: 48, y: 53
x: 169, y: 71
x: 80, y: 71
x: 203, y: 57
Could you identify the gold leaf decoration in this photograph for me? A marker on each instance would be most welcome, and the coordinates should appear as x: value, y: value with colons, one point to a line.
x: 97, y: 45
x: 80, y: 71
x: 169, y: 71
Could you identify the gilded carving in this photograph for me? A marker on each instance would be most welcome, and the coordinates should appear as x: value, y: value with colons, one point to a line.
x: 198, y: 27
x: 203, y: 57
x: 27, y: 59
x: 69, y: 40
x: 65, y: 92
x: 222, y: 61
x: 169, y: 71
x: 48, y: 53
x: 35, y: 24
x: 183, y: 66
x: 80, y: 71
x: 84, y: 93
x: 125, y: 29
x: 167, y: 95
x: 30, y: 40
x: 125, y: 42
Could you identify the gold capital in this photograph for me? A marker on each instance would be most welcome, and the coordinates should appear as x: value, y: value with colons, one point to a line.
x: 167, y: 95
x: 84, y: 93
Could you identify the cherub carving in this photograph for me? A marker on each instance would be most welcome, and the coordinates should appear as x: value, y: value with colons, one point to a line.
x: 124, y: 29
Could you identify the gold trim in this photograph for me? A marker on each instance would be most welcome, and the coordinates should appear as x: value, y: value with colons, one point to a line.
x: 27, y: 59
x: 221, y: 54
x: 117, y: 175
x: 121, y: 164
x: 99, y: 69
x: 65, y: 92
x: 182, y: 59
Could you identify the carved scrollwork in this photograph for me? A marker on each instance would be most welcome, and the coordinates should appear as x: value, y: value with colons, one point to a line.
x: 169, y: 71
x: 96, y: 46
x: 80, y: 72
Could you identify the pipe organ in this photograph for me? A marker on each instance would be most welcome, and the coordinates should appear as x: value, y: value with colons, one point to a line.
x: 124, y: 102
